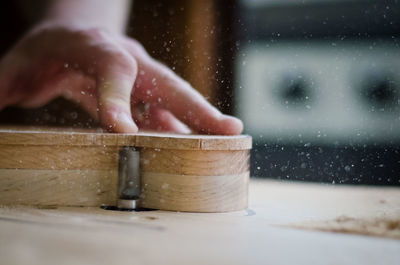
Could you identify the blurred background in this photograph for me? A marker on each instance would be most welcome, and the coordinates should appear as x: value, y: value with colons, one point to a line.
x: 317, y: 85
x: 316, y: 82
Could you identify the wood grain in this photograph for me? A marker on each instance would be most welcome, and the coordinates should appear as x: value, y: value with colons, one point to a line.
x: 194, y: 181
x: 191, y: 193
x: 80, y: 168
x: 189, y: 162
x: 58, y: 187
x: 264, y: 234
x: 61, y: 136
x: 58, y: 157
x: 51, y: 136
x: 193, y: 142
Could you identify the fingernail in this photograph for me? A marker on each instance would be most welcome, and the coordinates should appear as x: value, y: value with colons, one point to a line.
x: 235, y: 125
x: 183, y: 129
x: 126, y: 122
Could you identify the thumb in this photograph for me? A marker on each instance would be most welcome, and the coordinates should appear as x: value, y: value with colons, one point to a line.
x: 115, y: 79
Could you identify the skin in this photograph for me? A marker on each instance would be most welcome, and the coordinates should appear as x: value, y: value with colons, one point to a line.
x: 78, y: 51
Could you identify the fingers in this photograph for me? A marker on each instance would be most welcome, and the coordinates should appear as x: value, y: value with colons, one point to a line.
x: 185, y: 103
x: 114, y: 70
x: 116, y: 74
x: 12, y: 82
x: 157, y: 119
x: 54, y: 59
x: 81, y: 89
x: 159, y: 85
x: 112, y: 63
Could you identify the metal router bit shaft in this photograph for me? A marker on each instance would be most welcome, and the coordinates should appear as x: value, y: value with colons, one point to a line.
x: 129, y: 178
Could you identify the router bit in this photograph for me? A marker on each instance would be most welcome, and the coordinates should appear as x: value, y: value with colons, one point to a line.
x: 128, y: 178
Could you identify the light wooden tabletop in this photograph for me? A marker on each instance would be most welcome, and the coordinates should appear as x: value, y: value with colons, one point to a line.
x: 286, y: 223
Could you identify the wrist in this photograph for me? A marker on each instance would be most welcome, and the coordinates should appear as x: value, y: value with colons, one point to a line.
x: 51, y: 22
x: 88, y: 14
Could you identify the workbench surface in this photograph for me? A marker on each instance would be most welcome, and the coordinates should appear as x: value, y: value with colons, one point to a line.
x: 286, y: 223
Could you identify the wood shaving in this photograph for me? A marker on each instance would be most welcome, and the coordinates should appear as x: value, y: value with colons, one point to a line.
x: 379, y: 227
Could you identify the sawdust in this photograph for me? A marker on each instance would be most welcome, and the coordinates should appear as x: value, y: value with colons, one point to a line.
x: 379, y: 227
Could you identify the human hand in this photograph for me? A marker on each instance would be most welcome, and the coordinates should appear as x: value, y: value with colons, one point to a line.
x: 111, y: 76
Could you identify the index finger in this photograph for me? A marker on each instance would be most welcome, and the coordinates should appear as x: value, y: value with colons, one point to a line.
x: 158, y: 84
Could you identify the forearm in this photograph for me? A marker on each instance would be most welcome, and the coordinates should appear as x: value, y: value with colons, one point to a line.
x: 111, y: 15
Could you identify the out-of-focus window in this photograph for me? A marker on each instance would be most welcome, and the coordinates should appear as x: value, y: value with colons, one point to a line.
x: 318, y: 87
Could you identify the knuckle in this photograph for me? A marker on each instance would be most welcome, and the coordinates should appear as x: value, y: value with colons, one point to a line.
x: 93, y: 37
x: 134, y: 46
x: 92, y: 33
x: 138, y: 45
x: 124, y: 61
x: 169, y: 77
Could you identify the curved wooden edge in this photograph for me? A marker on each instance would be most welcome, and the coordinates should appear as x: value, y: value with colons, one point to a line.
x: 195, y: 193
x: 193, y: 142
x: 91, y: 137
